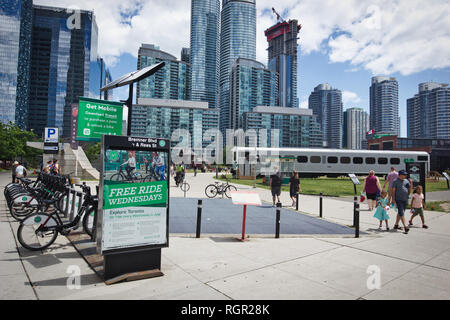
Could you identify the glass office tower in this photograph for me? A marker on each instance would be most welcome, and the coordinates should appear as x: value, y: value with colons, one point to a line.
x: 64, y: 66
x: 168, y: 83
x: 15, y: 42
x: 204, y: 54
x: 251, y: 85
x: 237, y: 40
x: 326, y: 104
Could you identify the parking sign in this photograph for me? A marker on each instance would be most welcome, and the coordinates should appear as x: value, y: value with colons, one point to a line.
x: 51, y: 135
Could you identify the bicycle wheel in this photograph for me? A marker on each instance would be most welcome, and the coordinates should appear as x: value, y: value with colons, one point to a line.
x: 149, y: 178
x: 228, y: 189
x: 185, y: 187
x: 88, y: 220
x: 116, y: 177
x: 37, y: 231
x: 211, y: 191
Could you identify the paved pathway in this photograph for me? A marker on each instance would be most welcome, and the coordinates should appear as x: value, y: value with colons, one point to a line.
x: 413, y: 266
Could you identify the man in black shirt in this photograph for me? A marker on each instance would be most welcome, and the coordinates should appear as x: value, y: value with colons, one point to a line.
x: 275, y: 186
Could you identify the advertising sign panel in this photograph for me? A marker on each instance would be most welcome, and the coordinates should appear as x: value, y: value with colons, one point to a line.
x: 73, y: 127
x: 134, y: 194
x: 98, y: 117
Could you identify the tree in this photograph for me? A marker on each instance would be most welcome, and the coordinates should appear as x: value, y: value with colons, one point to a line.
x: 92, y: 151
x: 13, y: 143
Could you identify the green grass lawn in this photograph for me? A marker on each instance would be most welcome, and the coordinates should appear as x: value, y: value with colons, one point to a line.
x: 336, y: 187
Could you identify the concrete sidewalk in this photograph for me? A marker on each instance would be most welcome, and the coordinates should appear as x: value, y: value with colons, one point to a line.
x: 413, y: 266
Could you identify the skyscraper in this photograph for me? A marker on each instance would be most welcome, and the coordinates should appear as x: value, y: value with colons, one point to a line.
x: 282, y: 39
x: 15, y: 44
x: 326, y: 104
x: 204, y: 53
x: 64, y: 66
x: 251, y: 85
x: 237, y: 40
x: 428, y: 112
x: 356, y: 124
x: 384, y: 116
x: 168, y: 83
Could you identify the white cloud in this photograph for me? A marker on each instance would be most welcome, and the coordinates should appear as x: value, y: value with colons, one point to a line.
x: 304, y: 104
x: 349, y: 97
x: 381, y: 36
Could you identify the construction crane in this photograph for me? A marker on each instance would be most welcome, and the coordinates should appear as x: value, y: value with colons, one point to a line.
x: 279, y: 18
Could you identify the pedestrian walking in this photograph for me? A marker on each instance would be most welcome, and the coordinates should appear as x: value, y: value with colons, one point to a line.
x: 371, y: 188
x: 401, y: 189
x: 13, y: 171
x: 21, y: 171
x: 417, y: 206
x: 294, y: 187
x: 382, y: 210
x: 390, y: 178
x: 275, y: 186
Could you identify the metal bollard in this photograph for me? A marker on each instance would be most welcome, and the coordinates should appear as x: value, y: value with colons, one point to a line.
x: 277, y: 222
x: 355, y: 203
x: 321, y: 205
x: 357, y: 221
x: 72, y: 208
x: 296, y: 201
x: 199, y: 218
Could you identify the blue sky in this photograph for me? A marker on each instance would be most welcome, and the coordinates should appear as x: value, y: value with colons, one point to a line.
x: 342, y: 42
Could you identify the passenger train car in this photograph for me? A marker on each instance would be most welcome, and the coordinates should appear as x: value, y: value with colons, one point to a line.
x: 329, y: 162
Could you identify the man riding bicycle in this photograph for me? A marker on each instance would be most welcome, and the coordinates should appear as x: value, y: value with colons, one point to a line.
x: 131, y: 164
x: 158, y: 164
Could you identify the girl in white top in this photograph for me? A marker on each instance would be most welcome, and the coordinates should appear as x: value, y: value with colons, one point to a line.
x: 417, y: 206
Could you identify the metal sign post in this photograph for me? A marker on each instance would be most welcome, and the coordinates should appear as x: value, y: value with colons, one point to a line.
x: 355, y: 180
x: 133, y: 214
x: 245, y: 198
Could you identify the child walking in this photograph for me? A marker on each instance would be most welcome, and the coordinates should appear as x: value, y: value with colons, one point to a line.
x: 417, y: 206
x: 381, y: 212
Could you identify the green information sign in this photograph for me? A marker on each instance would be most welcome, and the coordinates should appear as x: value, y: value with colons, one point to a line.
x: 137, y: 194
x: 98, y: 117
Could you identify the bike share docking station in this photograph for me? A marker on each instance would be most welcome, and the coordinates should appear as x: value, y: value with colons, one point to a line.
x: 133, y: 219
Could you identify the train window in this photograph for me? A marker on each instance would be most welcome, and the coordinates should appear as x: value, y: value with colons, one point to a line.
x: 315, y: 159
x: 395, y: 161
x: 332, y: 159
x: 302, y: 159
x: 382, y: 161
x: 370, y: 160
x: 345, y: 160
x: 357, y: 160
x: 422, y: 158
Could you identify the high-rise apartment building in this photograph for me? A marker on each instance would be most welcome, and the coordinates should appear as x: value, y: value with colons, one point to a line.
x: 428, y: 112
x: 326, y: 104
x: 204, y: 51
x: 237, y: 40
x: 297, y: 128
x: 282, y: 39
x: 15, y: 33
x: 384, y: 115
x: 171, y: 82
x: 356, y: 124
x: 251, y: 85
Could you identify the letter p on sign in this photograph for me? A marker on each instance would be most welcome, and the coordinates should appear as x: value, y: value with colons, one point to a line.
x: 51, y: 135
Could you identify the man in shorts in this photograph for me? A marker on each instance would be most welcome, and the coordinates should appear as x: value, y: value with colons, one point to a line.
x: 401, y: 189
x: 275, y: 186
